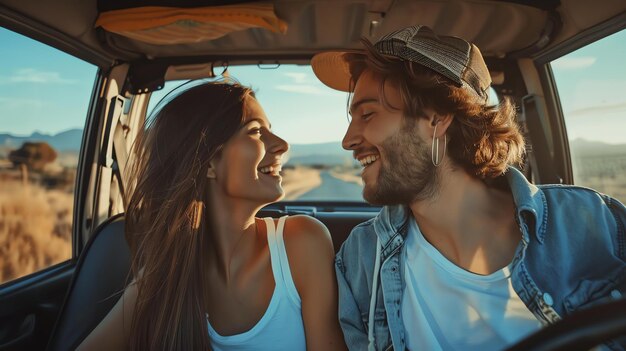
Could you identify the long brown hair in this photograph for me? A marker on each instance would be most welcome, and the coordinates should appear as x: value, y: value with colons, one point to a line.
x: 483, y: 139
x: 166, y: 216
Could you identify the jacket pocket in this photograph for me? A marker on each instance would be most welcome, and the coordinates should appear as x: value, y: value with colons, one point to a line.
x: 590, y: 293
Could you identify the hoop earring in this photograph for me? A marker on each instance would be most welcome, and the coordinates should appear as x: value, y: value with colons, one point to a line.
x: 434, y: 150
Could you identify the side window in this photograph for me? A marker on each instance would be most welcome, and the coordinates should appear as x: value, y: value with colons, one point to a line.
x: 44, y: 97
x: 591, y: 84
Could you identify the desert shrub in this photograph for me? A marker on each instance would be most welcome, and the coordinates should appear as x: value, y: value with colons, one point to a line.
x: 34, y: 155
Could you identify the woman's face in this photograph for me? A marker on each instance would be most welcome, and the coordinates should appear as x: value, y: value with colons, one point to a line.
x: 249, y: 165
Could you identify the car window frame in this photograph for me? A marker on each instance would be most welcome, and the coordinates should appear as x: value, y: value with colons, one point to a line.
x: 23, y: 26
x: 562, y: 154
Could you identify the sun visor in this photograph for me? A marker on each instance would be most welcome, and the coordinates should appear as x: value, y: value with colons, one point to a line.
x: 158, y: 25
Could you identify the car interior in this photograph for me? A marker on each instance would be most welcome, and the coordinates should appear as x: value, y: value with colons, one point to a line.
x: 56, y: 307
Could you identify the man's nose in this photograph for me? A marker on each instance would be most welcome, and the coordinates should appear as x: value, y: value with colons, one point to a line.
x: 353, y: 137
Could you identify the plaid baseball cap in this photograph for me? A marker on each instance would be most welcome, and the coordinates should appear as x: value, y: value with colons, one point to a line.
x: 452, y: 57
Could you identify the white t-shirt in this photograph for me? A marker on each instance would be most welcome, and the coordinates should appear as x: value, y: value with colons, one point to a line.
x: 445, y: 307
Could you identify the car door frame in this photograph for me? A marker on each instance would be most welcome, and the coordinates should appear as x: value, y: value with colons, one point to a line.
x: 30, y: 305
x: 562, y: 157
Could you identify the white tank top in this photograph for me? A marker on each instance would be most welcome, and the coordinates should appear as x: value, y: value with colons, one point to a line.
x: 281, y: 327
x: 445, y: 307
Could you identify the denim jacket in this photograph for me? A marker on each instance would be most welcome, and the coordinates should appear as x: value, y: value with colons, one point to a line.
x: 571, y: 256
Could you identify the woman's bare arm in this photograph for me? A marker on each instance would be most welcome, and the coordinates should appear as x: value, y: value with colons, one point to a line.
x: 311, y: 258
x: 113, y: 331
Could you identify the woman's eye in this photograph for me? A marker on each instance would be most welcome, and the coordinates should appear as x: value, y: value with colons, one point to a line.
x: 367, y: 115
x: 254, y: 131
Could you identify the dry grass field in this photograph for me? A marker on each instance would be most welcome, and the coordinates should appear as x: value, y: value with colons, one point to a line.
x: 606, y: 174
x: 35, y: 227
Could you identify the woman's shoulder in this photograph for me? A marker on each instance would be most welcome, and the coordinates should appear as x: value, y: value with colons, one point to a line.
x: 306, y: 224
x: 304, y: 232
x: 310, y: 251
x: 307, y: 241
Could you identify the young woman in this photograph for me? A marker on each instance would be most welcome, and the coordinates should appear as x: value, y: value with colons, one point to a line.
x: 208, y: 274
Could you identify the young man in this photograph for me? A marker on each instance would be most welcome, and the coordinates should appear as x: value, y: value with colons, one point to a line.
x: 466, y: 253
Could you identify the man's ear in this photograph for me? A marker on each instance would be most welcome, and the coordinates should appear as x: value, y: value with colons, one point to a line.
x: 442, y: 122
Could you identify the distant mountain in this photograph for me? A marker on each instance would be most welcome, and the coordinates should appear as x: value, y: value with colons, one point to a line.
x: 68, y: 140
x: 302, y: 154
x: 333, y: 154
x: 323, y: 154
x: 585, y: 148
x: 299, y: 154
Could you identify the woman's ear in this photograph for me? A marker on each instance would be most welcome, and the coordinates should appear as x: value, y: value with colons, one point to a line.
x: 211, y: 173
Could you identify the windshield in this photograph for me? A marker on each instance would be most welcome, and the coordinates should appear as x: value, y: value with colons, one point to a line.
x: 312, y: 119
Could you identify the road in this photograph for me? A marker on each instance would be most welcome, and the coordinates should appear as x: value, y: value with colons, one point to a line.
x: 333, y: 189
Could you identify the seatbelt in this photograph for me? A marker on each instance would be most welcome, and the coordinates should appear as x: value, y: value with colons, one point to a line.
x: 109, y: 165
x: 121, y: 158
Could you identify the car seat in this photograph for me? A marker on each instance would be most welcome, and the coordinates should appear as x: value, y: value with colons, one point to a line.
x: 99, y: 279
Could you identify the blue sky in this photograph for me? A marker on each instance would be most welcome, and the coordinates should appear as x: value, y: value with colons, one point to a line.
x: 592, y: 86
x: 41, y: 89
x: 45, y: 90
x: 301, y: 109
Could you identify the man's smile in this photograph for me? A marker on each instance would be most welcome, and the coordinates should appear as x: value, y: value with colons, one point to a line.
x: 368, y: 160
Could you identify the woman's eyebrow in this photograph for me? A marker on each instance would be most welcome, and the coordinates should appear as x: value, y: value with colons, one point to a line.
x: 260, y: 121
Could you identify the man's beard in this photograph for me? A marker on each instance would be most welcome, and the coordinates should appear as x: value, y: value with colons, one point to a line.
x: 406, y: 173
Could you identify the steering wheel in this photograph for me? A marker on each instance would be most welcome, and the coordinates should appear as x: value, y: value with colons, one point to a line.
x: 581, y: 330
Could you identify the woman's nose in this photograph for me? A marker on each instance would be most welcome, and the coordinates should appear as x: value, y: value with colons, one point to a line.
x: 278, y: 145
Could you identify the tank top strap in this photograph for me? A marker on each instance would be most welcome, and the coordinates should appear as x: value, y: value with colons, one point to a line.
x: 279, y: 259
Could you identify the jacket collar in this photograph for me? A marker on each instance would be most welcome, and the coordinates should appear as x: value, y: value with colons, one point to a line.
x: 530, y: 203
x: 391, y: 227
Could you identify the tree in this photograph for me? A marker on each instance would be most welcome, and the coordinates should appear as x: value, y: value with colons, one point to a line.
x: 33, y: 155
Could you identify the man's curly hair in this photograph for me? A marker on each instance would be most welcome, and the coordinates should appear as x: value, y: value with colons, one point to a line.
x: 483, y: 139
